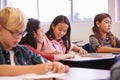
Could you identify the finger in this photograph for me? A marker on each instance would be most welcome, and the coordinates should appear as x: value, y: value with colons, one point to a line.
x: 49, y: 66
x: 54, y: 70
x: 67, y: 68
x: 83, y: 52
x: 61, y: 68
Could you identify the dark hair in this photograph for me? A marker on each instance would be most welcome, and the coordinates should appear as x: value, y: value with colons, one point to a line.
x: 66, y: 37
x: 32, y: 26
x: 95, y: 29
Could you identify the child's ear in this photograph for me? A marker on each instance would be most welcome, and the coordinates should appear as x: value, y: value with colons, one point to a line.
x: 53, y: 26
x: 34, y: 34
x: 98, y: 24
x: 0, y: 27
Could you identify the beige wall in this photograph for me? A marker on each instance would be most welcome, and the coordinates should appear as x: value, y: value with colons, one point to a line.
x: 81, y: 31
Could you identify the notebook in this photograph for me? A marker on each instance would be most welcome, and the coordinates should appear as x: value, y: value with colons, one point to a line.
x: 92, y: 55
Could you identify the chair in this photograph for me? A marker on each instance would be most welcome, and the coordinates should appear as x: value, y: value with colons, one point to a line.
x: 117, y: 58
x: 87, y: 47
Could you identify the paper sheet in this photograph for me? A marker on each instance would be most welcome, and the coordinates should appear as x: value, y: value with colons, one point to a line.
x: 48, y: 75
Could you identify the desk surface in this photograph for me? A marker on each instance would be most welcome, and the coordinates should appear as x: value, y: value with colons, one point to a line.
x: 73, y: 74
x: 92, y: 56
x: 102, y: 61
x: 87, y: 74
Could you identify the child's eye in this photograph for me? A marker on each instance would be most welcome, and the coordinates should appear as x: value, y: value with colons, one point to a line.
x: 108, y: 22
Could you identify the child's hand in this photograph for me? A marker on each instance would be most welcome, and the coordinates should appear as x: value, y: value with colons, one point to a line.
x: 71, y: 54
x: 82, y: 51
x: 49, y: 66
x: 60, y: 68
x: 43, y: 68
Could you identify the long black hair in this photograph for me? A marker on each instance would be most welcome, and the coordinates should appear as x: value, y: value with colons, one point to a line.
x: 32, y: 26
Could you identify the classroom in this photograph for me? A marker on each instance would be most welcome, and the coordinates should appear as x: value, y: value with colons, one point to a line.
x: 82, y: 27
x: 98, y: 66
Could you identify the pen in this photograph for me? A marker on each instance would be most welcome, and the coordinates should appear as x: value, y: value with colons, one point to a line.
x: 54, y: 46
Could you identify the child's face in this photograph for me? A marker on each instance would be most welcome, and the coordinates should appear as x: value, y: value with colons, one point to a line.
x: 10, y: 36
x: 60, y: 30
x: 105, y: 25
x: 39, y: 35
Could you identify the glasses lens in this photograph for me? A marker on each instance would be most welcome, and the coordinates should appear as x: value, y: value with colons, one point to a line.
x: 24, y: 34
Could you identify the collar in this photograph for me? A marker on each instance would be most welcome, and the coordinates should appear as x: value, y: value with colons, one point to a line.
x: 15, y: 49
x: 54, y: 41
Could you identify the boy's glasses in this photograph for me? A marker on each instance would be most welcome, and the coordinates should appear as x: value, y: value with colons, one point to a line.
x: 16, y: 34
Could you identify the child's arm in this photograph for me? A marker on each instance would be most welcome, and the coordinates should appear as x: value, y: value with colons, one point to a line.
x: 48, y: 57
x: 57, y: 67
x: 79, y: 50
x: 58, y: 57
x: 8, y: 70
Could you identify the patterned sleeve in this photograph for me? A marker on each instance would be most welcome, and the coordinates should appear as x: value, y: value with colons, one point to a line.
x: 117, y: 42
x: 34, y: 58
x: 93, y: 43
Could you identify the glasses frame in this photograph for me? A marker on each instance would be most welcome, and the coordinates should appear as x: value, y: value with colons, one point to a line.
x: 16, y: 34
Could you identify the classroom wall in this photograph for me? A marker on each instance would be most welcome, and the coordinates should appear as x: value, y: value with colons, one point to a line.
x: 81, y: 31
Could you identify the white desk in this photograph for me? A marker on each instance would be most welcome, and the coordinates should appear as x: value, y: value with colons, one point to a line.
x: 100, y: 61
x: 86, y: 74
x: 73, y: 74
x: 10, y: 78
x: 92, y: 56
